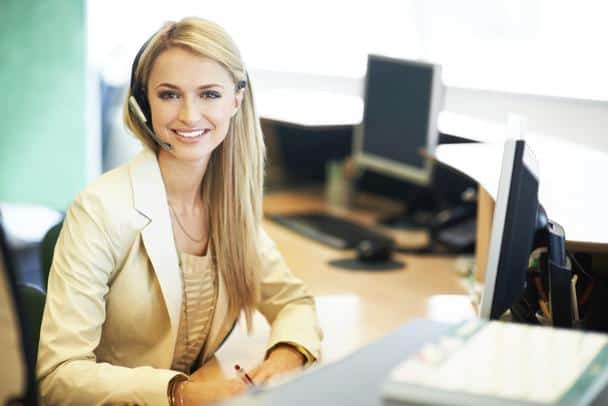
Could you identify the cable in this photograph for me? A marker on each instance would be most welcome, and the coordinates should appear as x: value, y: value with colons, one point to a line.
x: 578, y: 265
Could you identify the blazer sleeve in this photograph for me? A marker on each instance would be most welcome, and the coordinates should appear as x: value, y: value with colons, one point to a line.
x: 286, y: 303
x: 67, y: 369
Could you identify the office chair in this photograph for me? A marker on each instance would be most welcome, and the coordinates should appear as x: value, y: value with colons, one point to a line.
x: 16, y: 334
x: 32, y: 297
x: 32, y: 300
x: 47, y: 247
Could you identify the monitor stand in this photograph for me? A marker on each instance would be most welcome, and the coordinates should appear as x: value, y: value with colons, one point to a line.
x: 411, y: 220
x: 560, y: 275
x: 419, y: 211
x: 556, y: 273
x: 450, y: 231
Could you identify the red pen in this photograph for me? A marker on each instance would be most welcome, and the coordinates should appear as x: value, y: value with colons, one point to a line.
x: 243, y: 375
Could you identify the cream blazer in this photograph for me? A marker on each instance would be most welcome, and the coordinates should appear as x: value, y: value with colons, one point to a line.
x: 114, y: 296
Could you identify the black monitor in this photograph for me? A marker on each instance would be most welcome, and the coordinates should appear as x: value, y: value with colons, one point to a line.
x: 18, y: 383
x: 513, y: 229
x: 397, y: 137
x: 520, y: 225
x: 402, y: 104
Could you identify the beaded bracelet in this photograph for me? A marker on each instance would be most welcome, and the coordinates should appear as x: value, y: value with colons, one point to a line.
x: 181, y: 392
x: 171, y: 389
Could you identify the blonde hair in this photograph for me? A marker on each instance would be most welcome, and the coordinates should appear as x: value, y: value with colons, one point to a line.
x: 233, y: 183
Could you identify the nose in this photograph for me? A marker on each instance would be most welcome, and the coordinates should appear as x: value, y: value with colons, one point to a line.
x: 190, y: 111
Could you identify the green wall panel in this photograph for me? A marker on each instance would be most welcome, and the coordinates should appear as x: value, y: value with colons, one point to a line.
x: 42, y: 82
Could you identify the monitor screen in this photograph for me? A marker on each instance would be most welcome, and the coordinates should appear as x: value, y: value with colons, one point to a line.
x: 513, y: 229
x: 402, y: 103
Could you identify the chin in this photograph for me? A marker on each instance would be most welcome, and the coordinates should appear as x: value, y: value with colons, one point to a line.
x: 192, y: 156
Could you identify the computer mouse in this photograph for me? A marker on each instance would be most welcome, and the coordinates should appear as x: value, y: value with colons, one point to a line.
x: 374, y: 250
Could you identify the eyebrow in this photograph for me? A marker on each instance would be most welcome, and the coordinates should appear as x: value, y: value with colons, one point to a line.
x: 170, y: 86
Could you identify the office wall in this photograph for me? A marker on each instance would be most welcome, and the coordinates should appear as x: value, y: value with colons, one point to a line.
x: 580, y: 121
x: 42, y: 77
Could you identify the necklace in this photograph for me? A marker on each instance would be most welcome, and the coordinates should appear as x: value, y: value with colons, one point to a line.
x: 179, y: 223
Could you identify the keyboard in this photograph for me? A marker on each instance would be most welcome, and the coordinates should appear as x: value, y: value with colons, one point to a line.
x: 507, y: 361
x: 330, y: 230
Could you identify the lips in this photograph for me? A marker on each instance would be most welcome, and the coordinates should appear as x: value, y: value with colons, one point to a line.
x: 192, y: 133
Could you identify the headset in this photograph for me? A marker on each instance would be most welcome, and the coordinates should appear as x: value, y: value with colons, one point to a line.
x: 138, y: 101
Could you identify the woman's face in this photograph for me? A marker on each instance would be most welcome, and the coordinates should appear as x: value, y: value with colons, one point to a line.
x: 192, y: 100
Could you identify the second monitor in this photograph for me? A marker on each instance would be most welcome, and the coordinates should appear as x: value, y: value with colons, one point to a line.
x: 398, y: 134
x: 402, y: 104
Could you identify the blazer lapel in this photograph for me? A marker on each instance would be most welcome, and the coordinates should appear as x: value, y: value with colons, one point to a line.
x: 150, y: 200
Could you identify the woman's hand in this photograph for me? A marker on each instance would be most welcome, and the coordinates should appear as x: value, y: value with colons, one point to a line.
x: 282, y: 359
x: 208, y: 392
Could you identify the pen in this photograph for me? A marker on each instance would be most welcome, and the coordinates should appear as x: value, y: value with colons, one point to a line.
x: 243, y: 375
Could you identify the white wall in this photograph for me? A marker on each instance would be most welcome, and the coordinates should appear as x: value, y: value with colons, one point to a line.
x: 580, y: 121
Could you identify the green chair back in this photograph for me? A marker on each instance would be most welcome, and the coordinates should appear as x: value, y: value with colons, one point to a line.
x: 33, y: 299
x: 46, y: 252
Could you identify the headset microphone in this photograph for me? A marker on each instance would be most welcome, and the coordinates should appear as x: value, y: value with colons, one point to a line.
x: 138, y: 99
x: 141, y: 117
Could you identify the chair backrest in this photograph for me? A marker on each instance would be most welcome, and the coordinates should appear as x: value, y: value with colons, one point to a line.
x: 32, y: 300
x: 17, y: 353
x: 47, y: 247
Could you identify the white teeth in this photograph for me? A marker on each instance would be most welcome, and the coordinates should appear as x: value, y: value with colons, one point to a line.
x: 191, y: 134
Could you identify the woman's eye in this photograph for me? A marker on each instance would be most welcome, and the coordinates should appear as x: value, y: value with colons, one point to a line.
x: 168, y: 95
x: 211, y: 94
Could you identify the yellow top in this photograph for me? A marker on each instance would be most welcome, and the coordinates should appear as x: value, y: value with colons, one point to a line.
x: 199, y: 281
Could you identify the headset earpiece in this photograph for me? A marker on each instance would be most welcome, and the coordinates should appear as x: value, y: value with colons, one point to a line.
x: 138, y: 101
x: 136, y: 88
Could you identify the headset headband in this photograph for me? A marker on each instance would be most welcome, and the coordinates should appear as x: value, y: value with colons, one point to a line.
x: 138, y: 91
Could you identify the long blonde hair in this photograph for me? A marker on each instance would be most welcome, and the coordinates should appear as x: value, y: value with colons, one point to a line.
x: 233, y: 183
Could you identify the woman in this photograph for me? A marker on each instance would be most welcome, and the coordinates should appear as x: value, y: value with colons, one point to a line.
x: 157, y: 259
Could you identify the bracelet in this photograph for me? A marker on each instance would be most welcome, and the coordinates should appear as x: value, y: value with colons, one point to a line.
x: 171, y: 389
x: 180, y: 388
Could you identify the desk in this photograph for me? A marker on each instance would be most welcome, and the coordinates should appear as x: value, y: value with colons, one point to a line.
x: 355, y: 308
x: 571, y: 187
x: 354, y: 381
x: 358, y: 379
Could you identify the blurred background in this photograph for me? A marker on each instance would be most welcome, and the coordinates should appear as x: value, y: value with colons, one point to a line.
x: 66, y: 64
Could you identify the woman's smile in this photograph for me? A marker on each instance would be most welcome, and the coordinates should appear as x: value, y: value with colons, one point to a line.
x: 191, y: 135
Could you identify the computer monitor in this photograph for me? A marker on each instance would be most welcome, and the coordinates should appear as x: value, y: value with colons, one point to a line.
x: 17, y: 377
x: 402, y: 104
x: 514, y: 226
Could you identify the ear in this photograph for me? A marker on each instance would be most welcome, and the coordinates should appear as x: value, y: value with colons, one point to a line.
x: 238, y: 100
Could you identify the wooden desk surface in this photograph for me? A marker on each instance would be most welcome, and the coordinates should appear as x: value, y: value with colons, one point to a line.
x: 354, y: 307
x: 571, y: 186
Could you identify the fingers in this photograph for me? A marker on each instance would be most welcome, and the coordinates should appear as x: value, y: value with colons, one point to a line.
x: 261, y: 374
x: 255, y: 371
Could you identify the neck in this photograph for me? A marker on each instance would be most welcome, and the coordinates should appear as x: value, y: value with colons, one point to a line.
x: 182, y: 180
